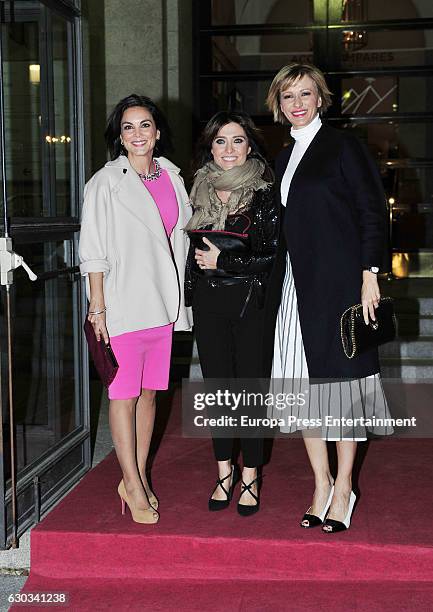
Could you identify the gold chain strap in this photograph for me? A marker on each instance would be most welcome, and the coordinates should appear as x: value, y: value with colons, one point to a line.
x: 353, y: 309
x: 348, y: 354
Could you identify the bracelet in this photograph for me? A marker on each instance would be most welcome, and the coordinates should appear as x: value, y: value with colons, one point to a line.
x: 96, y: 312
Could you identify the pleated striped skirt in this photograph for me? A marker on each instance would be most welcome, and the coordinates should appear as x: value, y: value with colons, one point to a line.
x: 332, y: 411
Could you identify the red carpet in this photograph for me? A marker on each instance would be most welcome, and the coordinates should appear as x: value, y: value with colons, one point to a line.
x: 194, y: 560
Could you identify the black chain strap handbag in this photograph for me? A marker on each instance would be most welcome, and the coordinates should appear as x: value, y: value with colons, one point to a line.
x: 358, y: 337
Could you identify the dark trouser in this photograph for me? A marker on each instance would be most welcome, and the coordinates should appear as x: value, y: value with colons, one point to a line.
x: 230, y: 347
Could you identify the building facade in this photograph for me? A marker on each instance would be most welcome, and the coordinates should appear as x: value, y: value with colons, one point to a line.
x: 65, y: 64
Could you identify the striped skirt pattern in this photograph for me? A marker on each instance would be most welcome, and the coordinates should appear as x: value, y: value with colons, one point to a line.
x: 332, y: 411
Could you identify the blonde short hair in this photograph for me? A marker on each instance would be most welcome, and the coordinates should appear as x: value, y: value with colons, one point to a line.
x: 288, y: 75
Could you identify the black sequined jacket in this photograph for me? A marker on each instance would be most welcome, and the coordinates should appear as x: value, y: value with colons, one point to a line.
x: 250, y: 267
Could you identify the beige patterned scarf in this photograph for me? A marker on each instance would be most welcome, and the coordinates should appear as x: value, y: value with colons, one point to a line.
x: 241, y: 181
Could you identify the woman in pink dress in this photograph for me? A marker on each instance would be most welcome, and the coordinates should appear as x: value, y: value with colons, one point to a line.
x: 132, y: 253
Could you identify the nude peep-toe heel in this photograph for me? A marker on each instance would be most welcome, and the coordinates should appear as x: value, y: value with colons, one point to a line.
x: 149, y: 516
x: 153, y: 500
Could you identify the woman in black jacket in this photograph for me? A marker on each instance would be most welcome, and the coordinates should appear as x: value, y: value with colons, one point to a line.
x: 232, y: 192
x: 332, y: 245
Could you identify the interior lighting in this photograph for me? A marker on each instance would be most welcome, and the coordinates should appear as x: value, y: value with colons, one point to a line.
x: 35, y: 74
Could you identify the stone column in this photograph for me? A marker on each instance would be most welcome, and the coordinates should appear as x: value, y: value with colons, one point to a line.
x: 138, y: 46
x: 178, y: 88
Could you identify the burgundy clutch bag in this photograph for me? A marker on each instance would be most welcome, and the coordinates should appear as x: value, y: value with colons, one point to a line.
x: 102, y: 356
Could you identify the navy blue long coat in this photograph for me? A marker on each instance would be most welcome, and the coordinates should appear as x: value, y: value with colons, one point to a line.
x: 334, y: 226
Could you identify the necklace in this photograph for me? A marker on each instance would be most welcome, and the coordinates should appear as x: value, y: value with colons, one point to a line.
x: 152, y: 176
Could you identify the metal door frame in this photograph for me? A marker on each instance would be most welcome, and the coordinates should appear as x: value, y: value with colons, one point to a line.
x: 28, y: 480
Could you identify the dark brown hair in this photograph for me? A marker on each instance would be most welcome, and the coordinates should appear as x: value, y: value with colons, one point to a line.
x: 213, y: 126
x: 112, y: 132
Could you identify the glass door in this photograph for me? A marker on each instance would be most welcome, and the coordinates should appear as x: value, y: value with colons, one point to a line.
x: 377, y: 57
x: 44, y: 383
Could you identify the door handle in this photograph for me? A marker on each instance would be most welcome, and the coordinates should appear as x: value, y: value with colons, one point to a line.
x: 10, y: 261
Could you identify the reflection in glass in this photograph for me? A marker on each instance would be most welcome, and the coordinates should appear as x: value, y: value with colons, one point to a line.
x: 404, y: 155
x: 388, y: 48
x: 21, y: 68
x: 38, y: 136
x: 248, y: 96
x: 392, y: 140
x: 43, y: 365
x: 387, y: 94
x: 231, y: 53
x: 402, y: 9
x: 44, y: 256
x: 237, y: 12
x: 412, y: 205
x: 368, y: 95
x: 354, y: 10
x: 63, y: 130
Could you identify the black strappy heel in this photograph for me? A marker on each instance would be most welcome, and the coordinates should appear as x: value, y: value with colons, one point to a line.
x: 221, y: 504
x: 244, y: 510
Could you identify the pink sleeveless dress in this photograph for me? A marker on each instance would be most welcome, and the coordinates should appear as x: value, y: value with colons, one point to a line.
x: 144, y: 355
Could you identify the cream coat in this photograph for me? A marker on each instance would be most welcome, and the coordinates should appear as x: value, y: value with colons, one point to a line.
x: 122, y: 235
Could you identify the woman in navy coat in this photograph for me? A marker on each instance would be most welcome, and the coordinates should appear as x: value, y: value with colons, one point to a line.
x: 332, y: 245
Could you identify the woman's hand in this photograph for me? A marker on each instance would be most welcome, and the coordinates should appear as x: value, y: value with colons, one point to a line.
x: 99, y: 327
x: 97, y: 305
x: 370, y: 295
x: 207, y: 259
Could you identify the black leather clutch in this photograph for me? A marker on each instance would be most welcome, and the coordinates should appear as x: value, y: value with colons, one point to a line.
x: 102, y: 355
x: 358, y: 337
x: 223, y: 240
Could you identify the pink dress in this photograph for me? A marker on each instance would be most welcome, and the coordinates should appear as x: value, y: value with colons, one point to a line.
x: 144, y: 355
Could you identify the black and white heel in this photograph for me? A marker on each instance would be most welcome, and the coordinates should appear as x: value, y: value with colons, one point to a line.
x: 332, y: 526
x: 311, y: 520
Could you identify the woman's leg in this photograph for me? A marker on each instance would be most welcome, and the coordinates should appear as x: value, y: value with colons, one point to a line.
x: 224, y: 470
x: 249, y: 475
x: 155, y: 356
x: 123, y: 433
x: 252, y: 454
x: 346, y: 452
x: 318, y: 456
x: 213, y: 336
x: 248, y: 340
x: 144, y: 422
